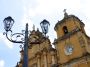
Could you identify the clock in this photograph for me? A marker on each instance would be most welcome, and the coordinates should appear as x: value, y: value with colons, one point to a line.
x: 68, y: 50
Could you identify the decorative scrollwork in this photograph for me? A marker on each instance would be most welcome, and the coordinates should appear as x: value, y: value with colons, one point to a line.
x: 16, y: 37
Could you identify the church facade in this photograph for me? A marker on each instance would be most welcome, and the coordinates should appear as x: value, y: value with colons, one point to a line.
x: 72, y: 46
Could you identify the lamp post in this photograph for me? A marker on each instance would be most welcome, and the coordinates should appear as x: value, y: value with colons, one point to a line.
x: 45, y: 25
x: 8, y: 23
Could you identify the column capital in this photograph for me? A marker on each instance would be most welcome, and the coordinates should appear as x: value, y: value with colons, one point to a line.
x: 38, y: 54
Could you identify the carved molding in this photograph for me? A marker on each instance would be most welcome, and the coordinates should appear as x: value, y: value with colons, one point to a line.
x: 67, y: 18
x: 34, y: 65
x: 67, y: 35
x: 82, y: 41
x: 85, y: 57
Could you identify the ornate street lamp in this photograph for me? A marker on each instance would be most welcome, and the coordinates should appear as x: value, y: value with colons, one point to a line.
x: 8, y: 23
x: 45, y: 25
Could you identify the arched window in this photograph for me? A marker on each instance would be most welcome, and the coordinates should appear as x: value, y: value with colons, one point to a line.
x: 65, y: 30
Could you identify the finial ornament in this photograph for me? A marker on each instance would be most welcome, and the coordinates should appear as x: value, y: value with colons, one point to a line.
x: 65, y: 13
x: 33, y: 27
x: 37, y: 29
x: 64, y: 10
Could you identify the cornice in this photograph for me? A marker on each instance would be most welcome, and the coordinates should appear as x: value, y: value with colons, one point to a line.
x: 86, y: 57
x: 65, y: 19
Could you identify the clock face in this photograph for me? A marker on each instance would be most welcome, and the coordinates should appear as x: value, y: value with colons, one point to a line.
x: 68, y: 49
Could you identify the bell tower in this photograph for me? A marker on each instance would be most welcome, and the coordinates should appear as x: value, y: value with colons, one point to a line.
x: 72, y: 43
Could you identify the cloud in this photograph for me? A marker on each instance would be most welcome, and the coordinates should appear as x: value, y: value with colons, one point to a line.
x: 6, y: 41
x: 27, y: 13
x: 52, y: 7
x: 2, y: 63
x: 48, y: 7
x: 26, y: 19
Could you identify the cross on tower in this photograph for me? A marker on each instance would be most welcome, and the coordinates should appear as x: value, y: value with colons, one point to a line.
x: 65, y: 13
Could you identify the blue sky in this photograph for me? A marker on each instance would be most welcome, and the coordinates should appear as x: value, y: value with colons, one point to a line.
x: 33, y: 12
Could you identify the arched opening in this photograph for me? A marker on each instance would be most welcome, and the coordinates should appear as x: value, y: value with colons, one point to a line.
x: 65, y: 30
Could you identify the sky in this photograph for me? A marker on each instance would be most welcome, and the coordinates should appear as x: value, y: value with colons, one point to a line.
x: 33, y: 12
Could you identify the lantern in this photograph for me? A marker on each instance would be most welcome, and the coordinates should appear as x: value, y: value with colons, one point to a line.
x: 45, y: 25
x: 8, y: 23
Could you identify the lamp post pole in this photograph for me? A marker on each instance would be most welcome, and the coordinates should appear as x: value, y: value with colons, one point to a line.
x: 25, y: 62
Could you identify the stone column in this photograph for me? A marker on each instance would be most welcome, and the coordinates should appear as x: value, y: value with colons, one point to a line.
x: 38, y: 61
x: 45, y: 59
x: 53, y: 57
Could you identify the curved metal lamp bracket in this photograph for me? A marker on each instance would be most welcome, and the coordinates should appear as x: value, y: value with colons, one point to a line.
x: 17, y: 35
